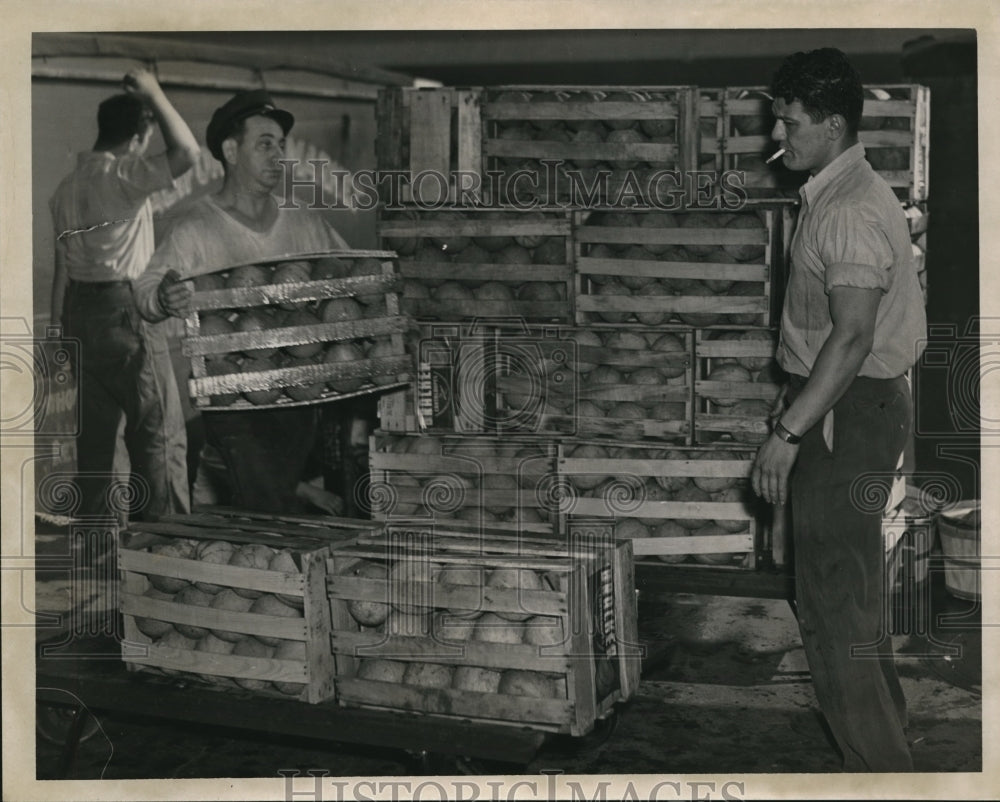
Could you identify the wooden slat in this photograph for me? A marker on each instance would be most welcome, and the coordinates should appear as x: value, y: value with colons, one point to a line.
x: 626, y: 621
x: 195, y: 571
x: 696, y: 544
x: 662, y: 467
x: 713, y: 510
x: 716, y: 389
x: 471, y: 310
x: 468, y: 271
x: 497, y: 656
x: 265, y: 294
x: 210, y: 618
x: 294, y: 335
x: 604, y: 151
x: 396, y: 368
x: 469, y: 136
x: 672, y: 303
x: 320, y: 663
x: 389, y: 129
x: 522, y: 711
x: 673, y: 236
x: 537, y: 602
x: 620, y: 429
x: 226, y: 665
x: 582, y: 110
x: 655, y: 269
x: 430, y: 138
x: 582, y: 680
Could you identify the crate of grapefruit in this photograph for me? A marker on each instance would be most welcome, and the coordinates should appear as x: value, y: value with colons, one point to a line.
x: 698, y: 269
x: 528, y: 631
x: 676, y: 505
x: 296, y: 329
x: 233, y: 601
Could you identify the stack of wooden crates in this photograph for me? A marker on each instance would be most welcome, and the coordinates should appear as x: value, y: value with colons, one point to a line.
x: 619, y: 335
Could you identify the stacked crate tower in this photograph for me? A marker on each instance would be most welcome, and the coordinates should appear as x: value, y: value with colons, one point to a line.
x: 632, y: 378
x: 594, y: 348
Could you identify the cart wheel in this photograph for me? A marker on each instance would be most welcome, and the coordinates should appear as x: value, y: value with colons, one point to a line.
x: 53, y: 723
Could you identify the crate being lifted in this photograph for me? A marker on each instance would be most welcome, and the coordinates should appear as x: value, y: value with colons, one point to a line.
x: 737, y: 382
x: 532, y: 632
x: 675, y: 505
x: 296, y: 329
x: 232, y: 600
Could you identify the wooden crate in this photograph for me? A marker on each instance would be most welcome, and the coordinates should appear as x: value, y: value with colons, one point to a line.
x: 583, y: 589
x: 224, y: 374
x: 654, y: 498
x: 735, y: 126
x: 482, y: 480
x: 464, y: 264
x: 159, y: 556
x: 733, y: 405
x: 578, y: 381
x: 449, y: 395
x: 651, y: 267
x: 564, y: 137
x: 430, y: 132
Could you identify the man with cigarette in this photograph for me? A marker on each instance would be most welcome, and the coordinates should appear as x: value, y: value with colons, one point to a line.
x: 852, y: 325
x: 265, y: 451
x: 104, y: 238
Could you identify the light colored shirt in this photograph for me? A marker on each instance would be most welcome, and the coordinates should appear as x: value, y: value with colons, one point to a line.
x: 851, y: 232
x: 102, y: 213
x: 206, y: 238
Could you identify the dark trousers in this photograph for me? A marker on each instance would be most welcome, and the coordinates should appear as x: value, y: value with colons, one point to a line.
x: 266, y: 452
x: 841, y: 600
x: 124, y: 368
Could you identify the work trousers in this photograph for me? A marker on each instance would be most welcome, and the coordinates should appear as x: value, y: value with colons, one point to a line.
x: 265, y: 451
x: 124, y: 368
x: 841, y: 598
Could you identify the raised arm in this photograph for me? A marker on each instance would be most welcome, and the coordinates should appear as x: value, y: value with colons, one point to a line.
x: 182, y: 147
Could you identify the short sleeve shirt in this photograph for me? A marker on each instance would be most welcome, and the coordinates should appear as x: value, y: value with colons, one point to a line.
x: 103, y: 217
x: 206, y: 238
x: 851, y: 232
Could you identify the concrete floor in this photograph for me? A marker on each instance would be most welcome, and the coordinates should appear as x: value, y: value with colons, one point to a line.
x: 725, y: 690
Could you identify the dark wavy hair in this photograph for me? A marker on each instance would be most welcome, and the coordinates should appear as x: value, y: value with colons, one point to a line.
x: 121, y: 117
x: 825, y: 83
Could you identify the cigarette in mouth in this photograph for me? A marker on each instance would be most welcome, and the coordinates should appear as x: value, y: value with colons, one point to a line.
x: 777, y: 155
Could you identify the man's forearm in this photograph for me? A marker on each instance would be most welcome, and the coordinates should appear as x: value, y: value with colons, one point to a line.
x: 182, y: 147
x: 145, y: 290
x: 837, y: 365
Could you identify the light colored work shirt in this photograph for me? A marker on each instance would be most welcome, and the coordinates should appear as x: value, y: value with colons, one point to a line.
x: 206, y: 238
x: 102, y: 214
x: 851, y: 232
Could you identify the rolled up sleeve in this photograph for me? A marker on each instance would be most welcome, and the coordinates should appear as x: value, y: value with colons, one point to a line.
x: 855, y: 252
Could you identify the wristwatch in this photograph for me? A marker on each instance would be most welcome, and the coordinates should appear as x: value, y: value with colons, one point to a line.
x: 786, y: 435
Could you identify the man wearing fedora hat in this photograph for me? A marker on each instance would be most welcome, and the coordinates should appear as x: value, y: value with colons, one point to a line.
x: 265, y: 451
